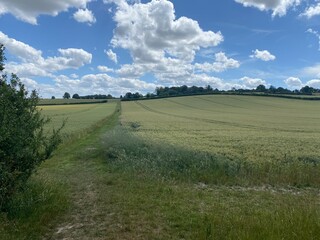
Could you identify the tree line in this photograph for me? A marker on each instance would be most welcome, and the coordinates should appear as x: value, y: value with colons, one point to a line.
x: 194, y: 90
x: 67, y: 95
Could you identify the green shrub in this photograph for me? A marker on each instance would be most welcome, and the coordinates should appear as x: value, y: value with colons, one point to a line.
x: 23, y: 143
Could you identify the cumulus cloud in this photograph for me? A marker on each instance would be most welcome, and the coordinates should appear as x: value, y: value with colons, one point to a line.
x: 111, y: 55
x: 312, y: 11
x: 162, y: 44
x: 252, y: 83
x: 315, y: 83
x: 101, y: 84
x: 313, y: 71
x: 28, y: 11
x: 293, y: 82
x: 104, y: 69
x: 32, y: 63
x: 151, y: 31
x: 263, y: 55
x: 84, y: 16
x: 222, y: 63
x: 278, y: 7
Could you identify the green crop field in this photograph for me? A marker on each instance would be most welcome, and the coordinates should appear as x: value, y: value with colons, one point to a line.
x: 248, y: 128
x: 200, y: 167
x: 265, y: 132
x: 78, y: 116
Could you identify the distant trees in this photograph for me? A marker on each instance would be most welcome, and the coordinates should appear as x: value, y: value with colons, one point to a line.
x: 130, y: 95
x: 194, y: 90
x: 95, y: 96
x: 309, y: 90
x: 76, y: 96
x: 23, y: 142
x: 66, y: 95
x: 53, y: 97
x: 261, y: 88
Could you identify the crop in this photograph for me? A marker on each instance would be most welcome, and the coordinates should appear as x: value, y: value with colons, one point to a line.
x: 78, y: 117
x: 274, y: 140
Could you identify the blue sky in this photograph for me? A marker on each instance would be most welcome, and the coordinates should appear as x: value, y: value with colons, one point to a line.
x: 116, y: 46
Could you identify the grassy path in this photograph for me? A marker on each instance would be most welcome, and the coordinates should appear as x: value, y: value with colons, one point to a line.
x: 82, y: 169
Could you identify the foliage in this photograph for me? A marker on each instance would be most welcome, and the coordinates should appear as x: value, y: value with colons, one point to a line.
x: 23, y: 143
x: 2, y: 57
x: 130, y: 95
x: 76, y: 96
x: 164, y: 92
x: 66, y: 95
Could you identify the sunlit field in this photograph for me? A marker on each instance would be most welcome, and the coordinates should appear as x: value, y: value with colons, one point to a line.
x: 176, y: 168
x: 78, y: 117
x: 272, y: 140
x: 248, y: 128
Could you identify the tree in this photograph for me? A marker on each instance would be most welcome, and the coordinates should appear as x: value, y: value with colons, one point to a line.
x: 2, y: 57
x: 76, y: 96
x: 66, y: 95
x: 261, y: 88
x: 307, y: 90
x: 23, y: 142
x: 53, y: 97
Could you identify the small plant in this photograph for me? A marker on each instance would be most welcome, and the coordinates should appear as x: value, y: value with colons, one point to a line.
x: 135, y: 125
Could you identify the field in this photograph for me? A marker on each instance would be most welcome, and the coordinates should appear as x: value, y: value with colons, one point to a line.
x: 79, y: 117
x: 266, y: 132
x: 201, y: 167
x: 246, y: 128
x: 70, y: 101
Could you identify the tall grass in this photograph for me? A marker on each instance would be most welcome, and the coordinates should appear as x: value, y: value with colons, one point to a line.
x: 32, y: 210
x: 133, y: 154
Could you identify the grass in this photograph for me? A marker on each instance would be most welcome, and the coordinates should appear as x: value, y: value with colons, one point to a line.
x: 157, y: 192
x: 277, y: 138
x: 127, y: 151
x: 116, y: 182
x: 78, y: 117
x: 38, y: 208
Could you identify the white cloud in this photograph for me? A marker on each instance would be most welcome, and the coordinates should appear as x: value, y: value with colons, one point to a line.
x: 100, y: 84
x: 315, y: 83
x: 84, y: 16
x: 293, y: 82
x: 21, y: 50
x: 312, y: 11
x: 111, y: 55
x: 313, y: 71
x: 151, y: 32
x: 32, y: 63
x: 278, y: 7
x: 252, y: 83
x: 161, y: 44
x: 263, y: 55
x: 28, y: 11
x: 104, y: 69
x: 222, y: 63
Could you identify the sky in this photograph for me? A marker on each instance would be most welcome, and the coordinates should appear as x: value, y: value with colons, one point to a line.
x: 117, y: 46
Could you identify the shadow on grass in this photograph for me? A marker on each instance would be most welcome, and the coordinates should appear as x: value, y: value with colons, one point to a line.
x: 129, y: 153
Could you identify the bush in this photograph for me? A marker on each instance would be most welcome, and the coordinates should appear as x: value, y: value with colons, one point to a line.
x: 23, y: 143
